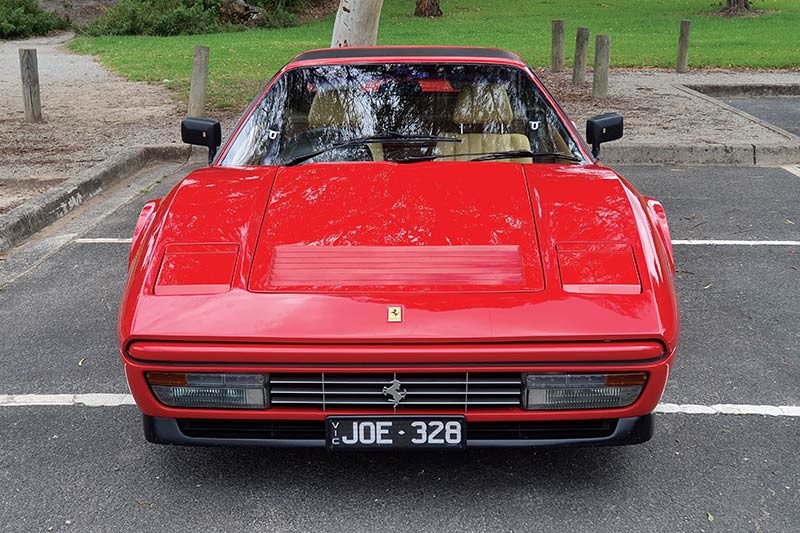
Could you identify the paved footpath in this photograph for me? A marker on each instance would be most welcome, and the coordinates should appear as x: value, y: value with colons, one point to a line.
x: 79, y: 468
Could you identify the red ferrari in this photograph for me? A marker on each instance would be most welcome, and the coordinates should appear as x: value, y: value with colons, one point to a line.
x: 400, y: 247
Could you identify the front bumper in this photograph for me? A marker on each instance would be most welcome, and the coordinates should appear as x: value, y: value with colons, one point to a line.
x: 311, y: 434
x: 486, y: 427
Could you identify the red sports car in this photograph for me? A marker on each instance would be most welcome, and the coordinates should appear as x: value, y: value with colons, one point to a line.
x: 400, y: 247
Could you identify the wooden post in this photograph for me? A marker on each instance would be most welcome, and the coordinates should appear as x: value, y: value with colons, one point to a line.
x: 356, y: 23
x: 602, y: 56
x: 557, y: 51
x: 683, y: 47
x: 198, y: 89
x: 29, y: 69
x: 581, y: 53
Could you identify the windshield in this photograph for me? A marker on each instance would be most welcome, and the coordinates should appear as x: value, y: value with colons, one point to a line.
x: 400, y: 112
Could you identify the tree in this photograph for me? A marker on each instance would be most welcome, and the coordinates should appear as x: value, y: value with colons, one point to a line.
x: 735, y: 8
x: 356, y: 23
x: 428, y: 8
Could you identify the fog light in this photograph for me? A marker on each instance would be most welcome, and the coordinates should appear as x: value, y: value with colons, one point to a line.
x: 209, y: 391
x: 582, y: 391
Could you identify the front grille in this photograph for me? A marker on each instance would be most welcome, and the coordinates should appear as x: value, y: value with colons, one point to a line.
x: 462, y: 390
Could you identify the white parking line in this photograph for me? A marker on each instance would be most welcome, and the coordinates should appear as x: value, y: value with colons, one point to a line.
x: 729, y: 409
x: 116, y: 400
x: 690, y: 242
x: 87, y: 400
x: 103, y: 240
x: 793, y: 169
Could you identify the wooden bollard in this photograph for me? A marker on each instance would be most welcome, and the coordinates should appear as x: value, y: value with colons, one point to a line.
x: 199, y: 87
x: 29, y: 70
x: 581, y: 53
x: 602, y: 56
x: 557, y: 51
x: 683, y: 47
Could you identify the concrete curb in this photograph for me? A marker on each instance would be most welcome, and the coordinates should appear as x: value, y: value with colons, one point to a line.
x: 48, y: 207
x: 689, y: 154
x: 749, y: 89
x: 743, y: 155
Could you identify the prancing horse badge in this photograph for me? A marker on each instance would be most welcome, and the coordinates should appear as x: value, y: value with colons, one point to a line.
x: 395, y: 314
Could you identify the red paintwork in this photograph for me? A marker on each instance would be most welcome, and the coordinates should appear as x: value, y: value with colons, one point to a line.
x: 598, y: 268
x: 584, y: 279
x: 332, y: 354
x: 300, y: 267
x: 145, y: 216
x: 322, y: 207
x: 196, y: 269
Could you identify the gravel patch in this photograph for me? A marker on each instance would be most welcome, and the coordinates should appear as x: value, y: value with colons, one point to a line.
x: 89, y: 115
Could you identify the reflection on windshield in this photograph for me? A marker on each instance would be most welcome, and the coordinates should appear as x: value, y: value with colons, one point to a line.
x: 487, y: 108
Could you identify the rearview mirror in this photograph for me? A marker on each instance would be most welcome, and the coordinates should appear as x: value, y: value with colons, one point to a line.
x: 603, y: 128
x: 202, y: 132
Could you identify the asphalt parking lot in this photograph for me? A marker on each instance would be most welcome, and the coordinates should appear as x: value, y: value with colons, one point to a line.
x: 78, y: 468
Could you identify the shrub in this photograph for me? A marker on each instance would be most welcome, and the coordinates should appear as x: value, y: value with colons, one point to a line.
x: 184, y: 17
x: 283, y: 13
x: 24, y: 18
x: 158, y: 17
x: 277, y: 14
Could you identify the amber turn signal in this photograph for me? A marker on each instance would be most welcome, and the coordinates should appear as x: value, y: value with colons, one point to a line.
x: 175, y: 379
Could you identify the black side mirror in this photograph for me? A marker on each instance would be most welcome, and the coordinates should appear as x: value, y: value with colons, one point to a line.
x: 202, y: 132
x: 603, y: 128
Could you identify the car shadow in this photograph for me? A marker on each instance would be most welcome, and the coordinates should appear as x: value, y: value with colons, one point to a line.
x: 558, y: 469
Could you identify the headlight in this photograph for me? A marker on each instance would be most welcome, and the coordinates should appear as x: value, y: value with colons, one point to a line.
x: 582, y: 391
x: 209, y: 391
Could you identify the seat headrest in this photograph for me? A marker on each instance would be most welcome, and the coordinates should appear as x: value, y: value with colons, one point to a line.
x: 334, y: 108
x: 483, y: 104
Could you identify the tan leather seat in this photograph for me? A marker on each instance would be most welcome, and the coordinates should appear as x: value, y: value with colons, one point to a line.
x: 337, y: 109
x: 481, y: 105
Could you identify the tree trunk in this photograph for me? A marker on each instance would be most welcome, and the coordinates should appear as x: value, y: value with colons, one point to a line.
x: 356, y: 23
x: 737, y: 7
x: 428, y: 8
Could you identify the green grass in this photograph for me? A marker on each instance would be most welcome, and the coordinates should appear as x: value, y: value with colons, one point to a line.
x: 644, y: 33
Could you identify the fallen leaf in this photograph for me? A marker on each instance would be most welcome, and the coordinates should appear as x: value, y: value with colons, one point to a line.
x: 80, y: 363
x: 707, y: 286
x: 790, y: 222
x: 710, y: 517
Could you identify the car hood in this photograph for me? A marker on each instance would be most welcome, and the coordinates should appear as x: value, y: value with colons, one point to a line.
x: 392, y: 228
x: 468, y: 251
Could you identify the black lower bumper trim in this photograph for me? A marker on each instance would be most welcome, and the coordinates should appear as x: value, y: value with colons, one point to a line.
x: 311, y: 434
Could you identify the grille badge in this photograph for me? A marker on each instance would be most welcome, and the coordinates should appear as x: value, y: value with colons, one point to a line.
x: 393, y: 392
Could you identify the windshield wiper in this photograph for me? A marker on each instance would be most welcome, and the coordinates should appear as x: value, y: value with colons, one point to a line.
x: 491, y: 156
x: 511, y: 154
x: 389, y: 136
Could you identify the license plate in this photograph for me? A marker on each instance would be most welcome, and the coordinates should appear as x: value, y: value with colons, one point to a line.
x: 409, y: 432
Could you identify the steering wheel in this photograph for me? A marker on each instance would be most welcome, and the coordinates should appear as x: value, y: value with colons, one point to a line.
x: 318, y: 138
